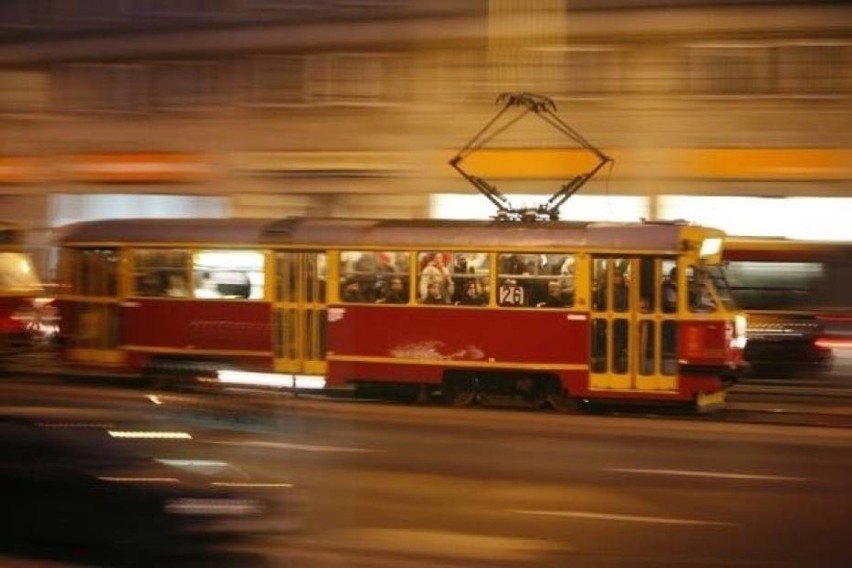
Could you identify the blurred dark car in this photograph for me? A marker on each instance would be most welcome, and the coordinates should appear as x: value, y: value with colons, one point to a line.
x: 79, y: 482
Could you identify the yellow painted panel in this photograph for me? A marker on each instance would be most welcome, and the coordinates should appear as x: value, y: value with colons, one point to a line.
x: 97, y: 356
x: 530, y: 163
x: 136, y: 167
x: 764, y: 163
x: 296, y: 161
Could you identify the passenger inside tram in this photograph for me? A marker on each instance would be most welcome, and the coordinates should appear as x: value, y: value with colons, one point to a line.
x: 556, y: 296
x: 669, y: 292
x: 394, y: 292
x: 472, y: 294
x: 435, y: 293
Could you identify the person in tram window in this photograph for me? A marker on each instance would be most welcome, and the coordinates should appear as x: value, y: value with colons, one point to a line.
x: 394, y: 293
x: 177, y: 287
x: 151, y: 284
x: 620, y: 292
x: 700, y: 298
x: 435, y: 271
x: 555, y: 298
x: 670, y: 292
x: 511, y: 264
x: 351, y: 291
x: 461, y: 270
x: 434, y: 294
x: 472, y: 295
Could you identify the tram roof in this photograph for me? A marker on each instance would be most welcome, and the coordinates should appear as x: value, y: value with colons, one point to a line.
x: 361, y: 233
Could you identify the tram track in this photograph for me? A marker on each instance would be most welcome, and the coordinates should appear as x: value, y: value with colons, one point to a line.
x: 805, y: 402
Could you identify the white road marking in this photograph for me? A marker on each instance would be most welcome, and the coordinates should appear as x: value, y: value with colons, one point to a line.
x: 461, y: 546
x: 627, y: 518
x: 298, y: 447
x: 717, y: 474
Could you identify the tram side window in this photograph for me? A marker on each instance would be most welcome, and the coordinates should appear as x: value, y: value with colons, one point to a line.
x: 228, y: 274
x: 541, y: 280
x: 668, y: 286
x: 647, y: 286
x: 161, y: 272
x: 614, y: 296
x: 470, y: 278
x: 374, y: 277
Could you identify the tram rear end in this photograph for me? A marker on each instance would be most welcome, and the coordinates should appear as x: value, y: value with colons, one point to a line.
x: 21, y: 291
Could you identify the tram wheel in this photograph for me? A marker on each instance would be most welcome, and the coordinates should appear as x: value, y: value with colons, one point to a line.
x: 459, y: 392
x: 562, y: 402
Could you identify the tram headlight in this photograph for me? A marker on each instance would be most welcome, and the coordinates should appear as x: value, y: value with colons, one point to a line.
x: 740, y: 324
x: 710, y: 246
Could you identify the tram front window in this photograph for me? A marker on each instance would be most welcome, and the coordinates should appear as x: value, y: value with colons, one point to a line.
x: 708, y: 289
x: 719, y: 281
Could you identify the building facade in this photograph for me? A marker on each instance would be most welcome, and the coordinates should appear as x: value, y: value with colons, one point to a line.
x: 279, y: 107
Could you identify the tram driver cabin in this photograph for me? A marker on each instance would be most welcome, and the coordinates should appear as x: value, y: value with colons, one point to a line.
x: 554, y: 312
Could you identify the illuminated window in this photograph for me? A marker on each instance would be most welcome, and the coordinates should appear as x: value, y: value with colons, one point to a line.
x: 460, y: 278
x: 535, y: 280
x: 374, y: 277
x: 162, y: 273
x: 228, y: 274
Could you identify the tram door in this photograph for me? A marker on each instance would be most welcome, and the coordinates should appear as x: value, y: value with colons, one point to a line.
x: 300, y: 312
x: 91, y: 307
x: 632, y: 331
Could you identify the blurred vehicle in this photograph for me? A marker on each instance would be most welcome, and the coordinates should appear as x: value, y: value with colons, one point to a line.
x: 798, y: 296
x: 21, y: 294
x: 107, y: 490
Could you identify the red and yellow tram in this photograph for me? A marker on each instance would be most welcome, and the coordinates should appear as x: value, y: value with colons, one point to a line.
x: 20, y: 288
x: 544, y: 311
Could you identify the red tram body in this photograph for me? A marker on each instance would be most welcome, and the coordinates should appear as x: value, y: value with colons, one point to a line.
x: 554, y: 311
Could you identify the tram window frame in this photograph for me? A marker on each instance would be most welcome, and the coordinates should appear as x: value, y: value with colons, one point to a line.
x: 370, y: 282
x: 152, y: 279
x: 313, y: 267
x: 94, y: 272
x: 524, y: 279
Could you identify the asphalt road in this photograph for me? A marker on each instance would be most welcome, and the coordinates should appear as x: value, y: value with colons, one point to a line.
x: 396, y: 485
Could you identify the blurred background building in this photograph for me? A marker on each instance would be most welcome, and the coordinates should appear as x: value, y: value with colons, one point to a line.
x: 731, y: 113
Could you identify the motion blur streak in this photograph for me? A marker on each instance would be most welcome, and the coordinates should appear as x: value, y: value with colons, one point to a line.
x: 235, y: 484
x: 270, y: 380
x: 706, y: 474
x: 627, y: 518
x: 213, y: 507
x: 150, y: 435
x: 141, y: 479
